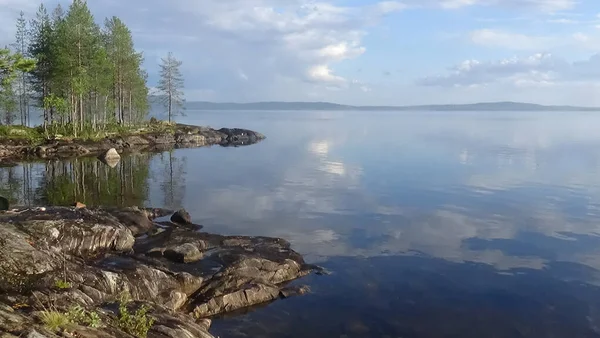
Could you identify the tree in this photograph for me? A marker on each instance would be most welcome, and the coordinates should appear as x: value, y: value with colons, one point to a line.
x: 40, y: 49
x: 86, y: 79
x: 170, y: 85
x: 21, y: 47
x: 129, y: 90
x: 10, y: 65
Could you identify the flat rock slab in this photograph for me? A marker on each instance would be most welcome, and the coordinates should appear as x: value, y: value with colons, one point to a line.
x: 101, y: 254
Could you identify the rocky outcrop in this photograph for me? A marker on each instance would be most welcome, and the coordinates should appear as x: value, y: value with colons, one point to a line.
x: 183, y: 136
x: 56, y: 257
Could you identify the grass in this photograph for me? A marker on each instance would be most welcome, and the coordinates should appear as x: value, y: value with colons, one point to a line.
x: 20, y: 133
x: 61, y: 284
x: 55, y: 321
x: 56, y: 131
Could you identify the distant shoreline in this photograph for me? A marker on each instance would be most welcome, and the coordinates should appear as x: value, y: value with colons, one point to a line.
x: 326, y: 106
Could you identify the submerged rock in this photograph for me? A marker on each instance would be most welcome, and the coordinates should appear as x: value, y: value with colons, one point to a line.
x: 62, y: 257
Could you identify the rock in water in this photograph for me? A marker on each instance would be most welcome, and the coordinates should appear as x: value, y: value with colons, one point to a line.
x: 3, y: 203
x: 111, y: 157
x: 111, y: 154
x: 181, y: 217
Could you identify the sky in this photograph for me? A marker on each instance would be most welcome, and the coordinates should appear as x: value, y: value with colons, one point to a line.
x: 364, y: 52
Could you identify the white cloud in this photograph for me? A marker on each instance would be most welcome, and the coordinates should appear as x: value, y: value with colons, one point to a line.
x: 495, y: 38
x: 537, y: 69
x: 503, y: 39
x: 253, y: 50
x: 563, y: 21
x: 322, y: 73
x: 283, y: 47
x: 385, y: 7
x: 542, y: 5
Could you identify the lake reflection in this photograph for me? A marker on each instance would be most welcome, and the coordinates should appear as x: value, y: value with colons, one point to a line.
x: 434, y: 224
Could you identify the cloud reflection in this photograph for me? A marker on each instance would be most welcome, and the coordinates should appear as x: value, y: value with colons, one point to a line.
x: 508, y: 178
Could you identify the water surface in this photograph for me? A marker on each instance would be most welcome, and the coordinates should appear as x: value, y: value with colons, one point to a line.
x: 441, y: 224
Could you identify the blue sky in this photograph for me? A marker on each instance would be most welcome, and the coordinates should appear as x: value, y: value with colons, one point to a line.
x: 365, y: 51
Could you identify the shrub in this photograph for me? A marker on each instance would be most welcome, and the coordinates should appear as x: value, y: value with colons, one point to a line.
x: 81, y: 316
x: 136, y: 324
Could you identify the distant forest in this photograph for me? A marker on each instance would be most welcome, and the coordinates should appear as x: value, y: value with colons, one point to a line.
x: 305, y: 106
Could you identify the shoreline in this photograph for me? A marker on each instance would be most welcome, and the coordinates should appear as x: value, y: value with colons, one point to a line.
x: 104, y: 261
x: 14, y: 149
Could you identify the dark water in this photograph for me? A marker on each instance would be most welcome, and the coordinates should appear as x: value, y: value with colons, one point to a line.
x: 433, y: 224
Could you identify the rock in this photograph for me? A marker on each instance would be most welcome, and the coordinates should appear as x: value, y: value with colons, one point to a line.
x: 291, y: 291
x: 237, y: 136
x: 181, y: 216
x: 182, y: 136
x: 176, y: 272
x: 111, y: 154
x: 4, y: 205
x: 79, y: 205
x: 35, y: 334
x: 185, y: 253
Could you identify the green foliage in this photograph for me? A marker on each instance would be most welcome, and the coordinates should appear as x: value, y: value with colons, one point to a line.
x: 87, y: 78
x: 20, y: 132
x: 55, y: 321
x: 81, y: 316
x: 136, y: 324
x: 61, y: 284
x: 11, y: 63
x: 124, y: 297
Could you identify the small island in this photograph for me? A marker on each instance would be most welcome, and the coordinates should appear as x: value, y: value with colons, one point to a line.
x: 20, y: 143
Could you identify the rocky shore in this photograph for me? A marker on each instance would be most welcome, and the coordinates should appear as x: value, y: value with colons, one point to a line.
x: 108, y: 272
x: 12, y: 149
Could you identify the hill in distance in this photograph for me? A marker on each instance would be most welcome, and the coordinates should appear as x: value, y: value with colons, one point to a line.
x: 483, y: 106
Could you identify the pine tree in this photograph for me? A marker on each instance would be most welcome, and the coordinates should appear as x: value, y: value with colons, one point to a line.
x: 21, y: 47
x: 11, y: 64
x: 170, y: 85
x: 40, y: 49
x: 129, y: 91
x: 86, y: 78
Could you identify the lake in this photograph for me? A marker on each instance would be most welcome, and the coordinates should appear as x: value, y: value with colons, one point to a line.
x: 433, y: 224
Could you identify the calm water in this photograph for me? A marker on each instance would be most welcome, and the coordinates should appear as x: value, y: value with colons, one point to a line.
x: 433, y: 224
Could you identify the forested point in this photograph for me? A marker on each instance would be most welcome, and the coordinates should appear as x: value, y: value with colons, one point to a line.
x: 83, y: 80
